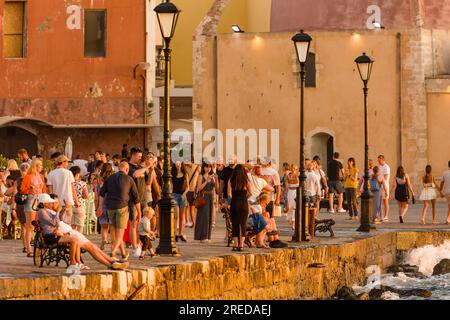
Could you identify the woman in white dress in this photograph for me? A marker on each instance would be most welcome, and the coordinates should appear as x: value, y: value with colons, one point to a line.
x: 428, y: 194
x: 292, y: 182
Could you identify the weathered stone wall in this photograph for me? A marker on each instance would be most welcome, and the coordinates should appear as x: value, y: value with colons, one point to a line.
x: 204, y: 58
x: 279, y: 274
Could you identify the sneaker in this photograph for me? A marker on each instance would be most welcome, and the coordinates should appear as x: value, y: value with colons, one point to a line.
x: 84, y: 267
x: 188, y: 225
x: 342, y: 211
x: 119, y: 265
x: 331, y: 211
x: 278, y: 244
x: 137, y: 252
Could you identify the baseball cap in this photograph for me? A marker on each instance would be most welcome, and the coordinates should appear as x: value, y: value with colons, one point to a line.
x: 45, y: 198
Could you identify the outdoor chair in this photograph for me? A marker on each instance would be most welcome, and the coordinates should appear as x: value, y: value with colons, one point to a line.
x: 48, y: 254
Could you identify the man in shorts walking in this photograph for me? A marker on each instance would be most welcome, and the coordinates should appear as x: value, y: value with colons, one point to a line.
x: 335, y: 176
x: 118, y: 191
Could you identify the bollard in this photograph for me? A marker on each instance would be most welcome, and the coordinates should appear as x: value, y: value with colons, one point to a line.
x: 311, y: 222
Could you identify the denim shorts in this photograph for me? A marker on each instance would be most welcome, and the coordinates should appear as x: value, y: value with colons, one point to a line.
x: 179, y: 200
x: 28, y: 207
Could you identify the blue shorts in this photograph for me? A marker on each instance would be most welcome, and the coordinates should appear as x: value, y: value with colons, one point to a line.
x: 257, y: 221
x: 179, y: 200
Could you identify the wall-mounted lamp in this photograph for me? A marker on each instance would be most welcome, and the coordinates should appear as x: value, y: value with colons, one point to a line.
x: 236, y: 28
x: 377, y: 25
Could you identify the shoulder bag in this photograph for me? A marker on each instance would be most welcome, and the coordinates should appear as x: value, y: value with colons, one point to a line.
x: 200, y: 200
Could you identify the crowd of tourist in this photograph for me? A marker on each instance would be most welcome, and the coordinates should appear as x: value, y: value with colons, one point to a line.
x: 127, y: 187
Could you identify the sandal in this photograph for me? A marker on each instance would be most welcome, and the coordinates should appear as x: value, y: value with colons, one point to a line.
x: 240, y: 249
x: 235, y: 249
x: 30, y: 255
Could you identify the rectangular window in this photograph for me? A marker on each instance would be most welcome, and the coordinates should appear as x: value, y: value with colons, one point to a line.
x: 95, y: 33
x: 311, y: 70
x: 14, y: 29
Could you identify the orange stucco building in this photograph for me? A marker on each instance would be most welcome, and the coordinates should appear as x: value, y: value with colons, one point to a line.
x: 73, y: 69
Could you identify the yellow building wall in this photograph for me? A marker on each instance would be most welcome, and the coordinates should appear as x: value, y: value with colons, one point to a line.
x: 259, y: 17
x: 257, y: 88
x: 438, y: 128
x: 256, y: 19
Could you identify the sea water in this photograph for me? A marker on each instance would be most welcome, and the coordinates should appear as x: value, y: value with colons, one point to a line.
x: 425, y: 258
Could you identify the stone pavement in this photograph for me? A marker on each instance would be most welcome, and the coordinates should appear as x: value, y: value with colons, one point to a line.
x: 14, y: 262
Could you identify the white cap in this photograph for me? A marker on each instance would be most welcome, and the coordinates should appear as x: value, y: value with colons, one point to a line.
x: 45, y: 198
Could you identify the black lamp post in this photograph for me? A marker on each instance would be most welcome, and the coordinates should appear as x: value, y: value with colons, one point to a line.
x: 302, y: 43
x: 167, y: 14
x: 364, y: 64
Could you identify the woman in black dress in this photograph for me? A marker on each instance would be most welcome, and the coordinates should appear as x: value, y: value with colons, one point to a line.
x: 402, y: 186
x: 239, y: 188
x: 206, y: 185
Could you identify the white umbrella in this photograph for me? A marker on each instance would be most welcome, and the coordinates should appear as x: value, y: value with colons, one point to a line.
x: 69, y: 148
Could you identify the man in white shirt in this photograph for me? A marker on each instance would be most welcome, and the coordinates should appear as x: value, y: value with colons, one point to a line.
x: 385, y: 172
x: 445, y: 190
x: 62, y: 183
x: 313, y: 189
x: 258, y: 183
x: 273, y: 179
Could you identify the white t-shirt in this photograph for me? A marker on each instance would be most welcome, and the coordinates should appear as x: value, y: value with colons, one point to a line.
x: 256, y: 208
x: 273, y: 178
x: 61, y: 180
x: 257, y: 183
x: 385, y: 170
x: 83, y: 166
x: 144, y: 224
x: 446, y: 179
x: 312, y: 184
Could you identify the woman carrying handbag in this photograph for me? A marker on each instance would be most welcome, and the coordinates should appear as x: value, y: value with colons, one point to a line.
x: 204, y: 202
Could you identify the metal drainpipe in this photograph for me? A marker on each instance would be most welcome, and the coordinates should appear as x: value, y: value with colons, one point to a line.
x: 144, y: 99
x: 400, y: 107
x: 216, y: 77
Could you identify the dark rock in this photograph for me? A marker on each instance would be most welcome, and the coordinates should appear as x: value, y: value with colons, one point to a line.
x: 406, y: 268
x: 442, y: 267
x: 416, y: 292
x: 345, y: 293
x: 363, y: 296
x: 376, y: 293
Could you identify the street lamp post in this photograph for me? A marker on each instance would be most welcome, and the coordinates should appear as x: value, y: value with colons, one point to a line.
x: 302, y: 43
x: 364, y: 64
x: 167, y: 14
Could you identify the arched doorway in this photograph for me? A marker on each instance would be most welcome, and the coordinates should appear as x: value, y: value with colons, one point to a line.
x: 14, y: 138
x: 322, y: 145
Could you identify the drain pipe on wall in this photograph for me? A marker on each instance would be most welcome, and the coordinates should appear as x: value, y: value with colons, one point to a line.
x: 400, y: 106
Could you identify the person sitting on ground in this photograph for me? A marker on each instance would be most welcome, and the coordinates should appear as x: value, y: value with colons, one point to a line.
x: 145, y: 233
x: 56, y: 231
x: 257, y: 220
